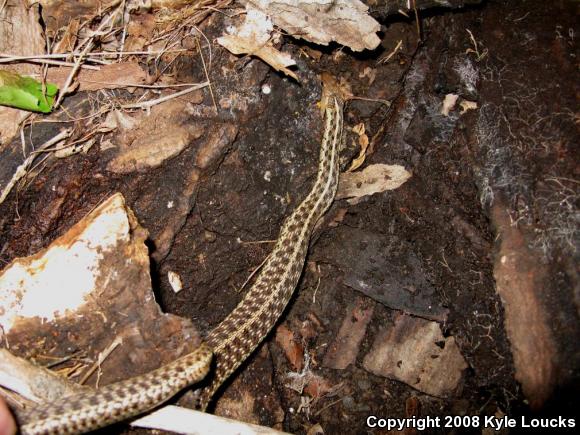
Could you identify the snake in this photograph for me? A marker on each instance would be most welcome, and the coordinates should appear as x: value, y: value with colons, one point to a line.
x: 233, y: 339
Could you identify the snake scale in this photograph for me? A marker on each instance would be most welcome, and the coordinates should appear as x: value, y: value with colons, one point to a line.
x: 230, y: 343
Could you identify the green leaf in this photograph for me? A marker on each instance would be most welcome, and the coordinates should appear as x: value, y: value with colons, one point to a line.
x: 26, y: 93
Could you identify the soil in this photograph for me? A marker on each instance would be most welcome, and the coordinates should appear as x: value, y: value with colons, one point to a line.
x: 435, y: 233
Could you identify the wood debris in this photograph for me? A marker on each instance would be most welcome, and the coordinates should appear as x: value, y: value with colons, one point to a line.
x: 344, y: 348
x: 253, y: 37
x: 373, y: 179
x: 449, y: 104
x: 156, y: 137
x: 293, y: 349
x: 113, y: 76
x: 414, y: 351
x: 90, y: 288
x: 323, y: 21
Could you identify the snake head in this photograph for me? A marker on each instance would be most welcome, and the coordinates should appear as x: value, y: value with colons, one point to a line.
x: 334, y: 92
x: 334, y: 95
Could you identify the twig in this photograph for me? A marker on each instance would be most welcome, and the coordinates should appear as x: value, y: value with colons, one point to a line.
x: 207, y: 77
x: 88, y: 46
x: 150, y: 103
x: 102, y: 356
x: 419, y: 30
x: 375, y: 100
x: 392, y: 53
x: 51, y: 62
x: 253, y: 273
x: 187, y: 421
x: 22, y: 170
x: 4, y: 57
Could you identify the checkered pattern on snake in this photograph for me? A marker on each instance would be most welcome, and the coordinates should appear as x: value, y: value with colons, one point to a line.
x: 231, y: 341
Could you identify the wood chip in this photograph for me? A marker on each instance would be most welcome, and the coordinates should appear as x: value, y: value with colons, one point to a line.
x: 415, y: 352
x: 373, y: 179
x: 344, y: 349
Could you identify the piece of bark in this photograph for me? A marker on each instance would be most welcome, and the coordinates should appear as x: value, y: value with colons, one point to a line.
x: 415, y: 352
x: 90, y: 288
x: 384, y: 268
x: 57, y: 14
x: 519, y: 272
x: 154, y: 138
x: 344, y: 349
x: 372, y: 179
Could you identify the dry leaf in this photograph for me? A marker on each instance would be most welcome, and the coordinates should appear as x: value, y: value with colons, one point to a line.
x: 292, y: 349
x: 467, y: 105
x: 359, y: 128
x: 115, y: 75
x: 363, y: 141
x: 373, y: 179
x: 68, y: 41
x: 322, y: 21
x: 253, y: 38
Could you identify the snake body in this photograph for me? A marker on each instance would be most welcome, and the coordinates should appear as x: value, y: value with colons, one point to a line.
x: 231, y: 341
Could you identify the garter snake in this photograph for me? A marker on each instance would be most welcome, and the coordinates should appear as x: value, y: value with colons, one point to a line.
x: 232, y: 340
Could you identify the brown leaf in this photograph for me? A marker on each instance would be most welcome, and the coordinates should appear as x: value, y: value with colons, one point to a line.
x: 113, y: 76
x: 317, y: 386
x: 293, y: 349
x: 253, y: 37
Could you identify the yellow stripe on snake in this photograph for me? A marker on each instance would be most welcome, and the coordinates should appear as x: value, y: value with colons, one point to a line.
x: 233, y: 340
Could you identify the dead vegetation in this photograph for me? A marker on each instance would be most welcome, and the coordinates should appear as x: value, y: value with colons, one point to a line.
x: 455, y: 152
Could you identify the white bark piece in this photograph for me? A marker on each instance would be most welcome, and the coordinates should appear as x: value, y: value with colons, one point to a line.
x: 62, y: 277
x: 187, y: 421
x: 323, y: 21
x: 90, y: 291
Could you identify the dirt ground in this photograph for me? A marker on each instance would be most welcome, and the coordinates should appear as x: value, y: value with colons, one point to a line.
x: 510, y: 163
